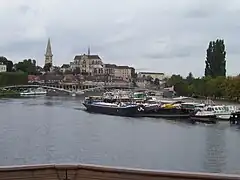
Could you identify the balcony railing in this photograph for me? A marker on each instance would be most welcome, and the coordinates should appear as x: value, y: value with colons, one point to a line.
x: 92, y: 172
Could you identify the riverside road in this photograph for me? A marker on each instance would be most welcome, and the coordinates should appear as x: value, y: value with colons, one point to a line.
x: 55, y: 130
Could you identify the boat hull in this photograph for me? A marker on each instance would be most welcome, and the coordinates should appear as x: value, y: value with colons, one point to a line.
x: 210, y: 119
x: 129, y: 111
x: 172, y: 113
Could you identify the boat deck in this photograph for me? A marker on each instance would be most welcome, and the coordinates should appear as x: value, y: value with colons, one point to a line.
x: 92, y: 172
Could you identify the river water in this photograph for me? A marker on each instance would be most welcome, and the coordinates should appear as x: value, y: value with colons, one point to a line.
x: 56, y: 130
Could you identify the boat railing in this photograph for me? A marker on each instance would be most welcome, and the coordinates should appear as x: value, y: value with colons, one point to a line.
x: 93, y: 172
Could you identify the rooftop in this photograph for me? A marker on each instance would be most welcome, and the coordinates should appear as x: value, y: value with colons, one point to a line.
x: 79, y: 57
x: 151, y: 73
x: 117, y: 67
x: 65, y: 66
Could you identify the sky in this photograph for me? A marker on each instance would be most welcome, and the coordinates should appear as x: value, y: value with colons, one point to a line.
x: 169, y: 36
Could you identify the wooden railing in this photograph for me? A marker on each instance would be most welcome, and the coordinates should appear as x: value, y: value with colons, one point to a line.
x: 92, y: 172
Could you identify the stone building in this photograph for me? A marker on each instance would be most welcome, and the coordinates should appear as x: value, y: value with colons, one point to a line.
x: 88, y: 64
x: 153, y: 75
x: 3, y: 67
x: 119, y: 72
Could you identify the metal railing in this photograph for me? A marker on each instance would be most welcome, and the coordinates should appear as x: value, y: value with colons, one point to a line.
x: 93, y: 172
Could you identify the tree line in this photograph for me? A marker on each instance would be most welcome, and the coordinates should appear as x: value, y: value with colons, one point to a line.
x: 27, y: 66
x: 214, y: 84
x: 216, y: 88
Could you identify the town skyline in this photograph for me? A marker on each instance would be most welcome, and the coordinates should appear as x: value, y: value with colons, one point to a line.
x: 139, y: 34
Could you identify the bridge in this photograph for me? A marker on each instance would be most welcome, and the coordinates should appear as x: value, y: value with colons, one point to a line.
x: 36, y: 86
x: 93, y: 172
x: 68, y: 88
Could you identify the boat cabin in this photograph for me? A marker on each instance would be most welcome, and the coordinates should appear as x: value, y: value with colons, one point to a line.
x: 141, y: 95
x: 217, y: 109
x: 192, y: 105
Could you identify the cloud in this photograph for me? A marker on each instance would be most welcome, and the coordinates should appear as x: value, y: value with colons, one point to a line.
x: 159, y: 35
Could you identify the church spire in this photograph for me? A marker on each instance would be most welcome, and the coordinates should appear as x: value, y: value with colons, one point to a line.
x: 89, y: 51
x: 49, y: 49
x: 48, y: 55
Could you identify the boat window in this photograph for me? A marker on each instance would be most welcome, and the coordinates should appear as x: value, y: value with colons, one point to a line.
x: 209, y: 109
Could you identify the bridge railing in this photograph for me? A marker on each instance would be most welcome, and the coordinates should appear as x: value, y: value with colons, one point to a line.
x: 107, y: 83
x: 93, y: 172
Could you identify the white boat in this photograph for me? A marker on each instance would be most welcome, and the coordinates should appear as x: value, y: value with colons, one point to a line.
x: 77, y: 93
x: 222, y: 112
x: 34, y: 92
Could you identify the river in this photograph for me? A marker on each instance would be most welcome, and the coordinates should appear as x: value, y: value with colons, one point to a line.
x: 56, y: 130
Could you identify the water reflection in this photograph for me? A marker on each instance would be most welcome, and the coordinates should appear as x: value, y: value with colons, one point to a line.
x: 215, y: 155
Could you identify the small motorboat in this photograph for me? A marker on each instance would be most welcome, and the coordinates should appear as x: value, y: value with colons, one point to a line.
x: 204, y: 117
x: 34, y: 92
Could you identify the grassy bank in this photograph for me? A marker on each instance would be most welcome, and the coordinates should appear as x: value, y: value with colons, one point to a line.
x: 13, y: 78
x: 8, y: 94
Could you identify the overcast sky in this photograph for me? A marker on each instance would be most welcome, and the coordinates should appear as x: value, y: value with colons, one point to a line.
x: 168, y: 36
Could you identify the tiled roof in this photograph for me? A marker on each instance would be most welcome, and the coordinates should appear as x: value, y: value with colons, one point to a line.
x: 117, y: 67
x: 50, y: 76
x: 110, y: 65
x: 89, y: 57
x: 123, y: 67
x: 65, y: 66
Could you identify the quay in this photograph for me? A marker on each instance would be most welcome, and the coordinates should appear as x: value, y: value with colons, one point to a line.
x: 93, y: 172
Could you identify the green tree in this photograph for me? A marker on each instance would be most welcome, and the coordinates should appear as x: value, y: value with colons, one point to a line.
x: 27, y: 65
x: 215, y: 64
x: 7, y: 62
x: 180, y: 84
x: 190, y: 78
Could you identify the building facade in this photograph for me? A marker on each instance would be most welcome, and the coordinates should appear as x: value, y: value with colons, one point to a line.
x: 48, y: 54
x: 154, y: 75
x: 3, y: 67
x: 125, y: 72
x: 88, y: 64
x: 119, y: 72
x: 65, y: 67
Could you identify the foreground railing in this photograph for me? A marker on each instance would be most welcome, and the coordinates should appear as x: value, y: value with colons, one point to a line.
x: 92, y: 172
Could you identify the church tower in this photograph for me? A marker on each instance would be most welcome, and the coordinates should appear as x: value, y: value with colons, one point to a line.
x: 48, y: 55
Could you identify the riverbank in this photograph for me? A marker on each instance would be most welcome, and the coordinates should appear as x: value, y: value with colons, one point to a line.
x: 13, y: 78
x: 8, y: 94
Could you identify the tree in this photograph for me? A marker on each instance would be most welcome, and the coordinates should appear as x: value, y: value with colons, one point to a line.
x: 7, y: 62
x: 47, y: 67
x: 190, y: 78
x: 156, y: 82
x: 27, y: 65
x: 215, y: 64
x: 180, y: 84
